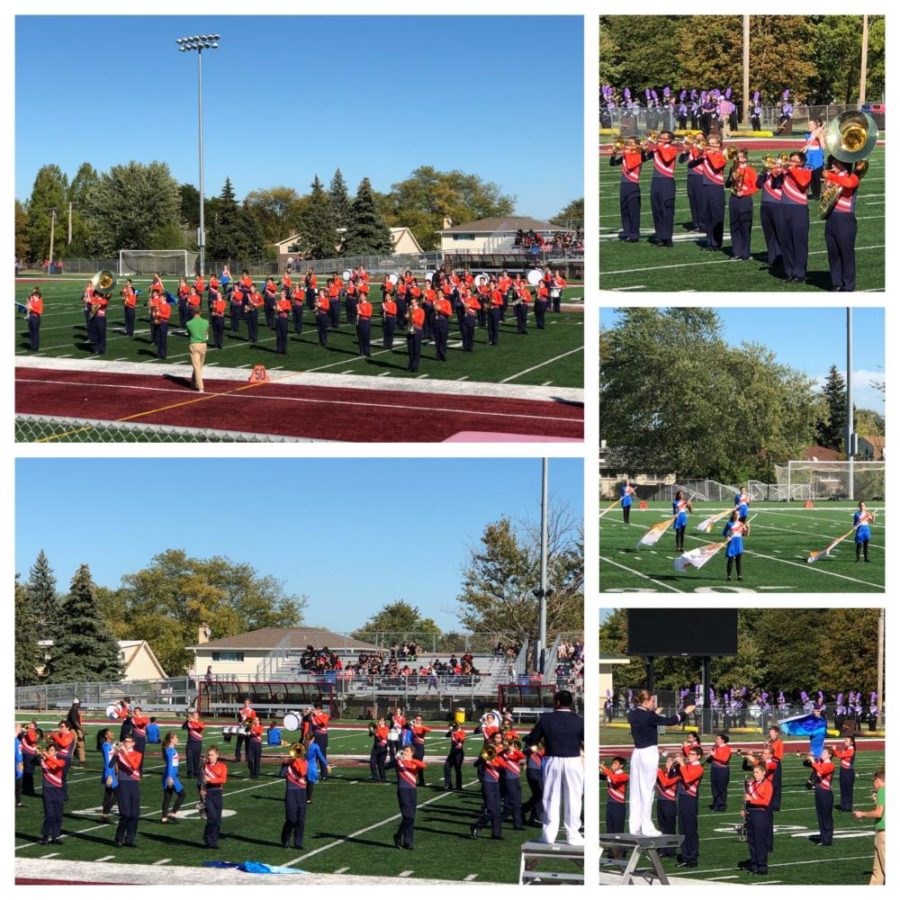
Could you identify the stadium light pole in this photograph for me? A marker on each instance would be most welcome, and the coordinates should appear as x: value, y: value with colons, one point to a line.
x: 864, y: 61
x: 851, y: 437
x: 200, y: 42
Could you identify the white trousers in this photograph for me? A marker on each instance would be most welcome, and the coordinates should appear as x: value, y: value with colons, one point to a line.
x: 642, y: 781
x: 563, y: 780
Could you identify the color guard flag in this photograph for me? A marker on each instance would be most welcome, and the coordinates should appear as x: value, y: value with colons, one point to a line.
x: 816, y: 555
x: 699, y: 556
x: 707, y: 524
x: 807, y: 725
x: 654, y: 533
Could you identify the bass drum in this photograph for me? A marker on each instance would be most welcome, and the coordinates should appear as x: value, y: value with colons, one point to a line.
x: 292, y: 721
x: 534, y: 277
x: 112, y: 711
x: 393, y: 278
x: 429, y: 278
x: 347, y: 274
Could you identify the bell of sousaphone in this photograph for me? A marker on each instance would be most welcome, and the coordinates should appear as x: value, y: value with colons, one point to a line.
x: 103, y: 282
x: 297, y: 751
x: 851, y: 136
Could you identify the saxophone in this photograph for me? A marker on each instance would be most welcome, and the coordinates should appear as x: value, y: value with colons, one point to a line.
x: 201, y: 803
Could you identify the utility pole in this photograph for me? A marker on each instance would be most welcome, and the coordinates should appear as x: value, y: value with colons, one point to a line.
x: 864, y: 61
x: 52, y: 235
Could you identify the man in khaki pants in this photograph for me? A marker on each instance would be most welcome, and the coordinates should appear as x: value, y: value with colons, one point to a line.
x: 198, y: 329
x: 878, y: 814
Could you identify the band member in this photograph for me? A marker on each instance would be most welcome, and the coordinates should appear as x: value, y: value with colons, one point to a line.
x: 128, y: 765
x: 794, y: 234
x: 351, y: 302
x: 215, y: 774
x: 489, y: 763
x: 862, y: 519
x: 253, y: 301
x: 64, y: 738
x: 824, y: 770
x: 364, y: 327
x: 616, y: 782
x: 523, y: 298
x: 52, y: 796
x: 254, y: 747
x: 217, y: 318
x: 841, y: 226
x: 244, y: 715
x: 667, y: 780
x: 109, y: 777
x: 556, y: 291
x: 182, y: 294
x: 236, y: 307
x: 680, y: 510
x: 742, y: 181
x: 776, y: 748
x: 310, y: 286
x: 534, y: 775
x: 319, y: 722
x: 389, y: 321
x: 712, y: 196
x: 662, y: 189
x: 398, y: 723
x: 693, y: 151
x: 419, y: 732
x: 323, y: 315
x: 442, y: 313
x: 691, y: 774
x: 194, y: 748
x: 140, y: 723
x: 472, y: 311
x: 510, y: 758
x: 28, y: 742
x: 407, y: 769
x: 734, y: 533
x: 414, y: 336
x: 769, y: 181
x: 160, y: 313
x: 282, y: 313
x: 87, y: 300
x: 293, y: 771
x: 846, y: 754
x: 497, y: 299
x: 379, y: 751
x: 170, y: 782
x: 720, y: 773
x: 626, y: 498
x: 815, y: 156
x: 455, y: 757
x: 758, y: 817
x: 98, y: 322
x: 692, y: 742
x: 334, y: 287
x: 297, y: 299
x: 34, y: 309
x: 630, y: 158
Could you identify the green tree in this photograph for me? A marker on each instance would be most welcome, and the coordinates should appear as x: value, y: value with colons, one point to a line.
x: 367, y: 231
x: 571, y: 215
x: 26, y: 638
x: 868, y: 422
x: 837, y: 52
x: 84, y: 650
x: 502, y: 576
x: 848, y: 650
x: 423, y: 200
x: 23, y: 248
x: 276, y: 211
x: 340, y: 200
x: 398, y: 621
x: 85, y: 180
x: 165, y: 602
x: 189, y: 205
x: 640, y: 51
x: 131, y: 206
x: 50, y: 192
x: 830, y: 431
x: 233, y: 233
x: 317, y: 227
x: 43, y: 601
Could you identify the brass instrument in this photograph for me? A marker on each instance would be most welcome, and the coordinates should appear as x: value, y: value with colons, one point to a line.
x: 618, y: 144
x: 513, y: 744
x: 103, y: 282
x: 297, y: 751
x: 850, y: 138
x: 372, y: 727
x: 201, y: 790
x: 489, y: 754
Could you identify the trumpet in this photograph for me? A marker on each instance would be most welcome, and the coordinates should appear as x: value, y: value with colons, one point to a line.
x: 372, y: 727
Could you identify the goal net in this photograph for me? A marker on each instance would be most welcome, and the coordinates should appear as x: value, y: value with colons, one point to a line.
x: 804, y: 480
x: 157, y: 262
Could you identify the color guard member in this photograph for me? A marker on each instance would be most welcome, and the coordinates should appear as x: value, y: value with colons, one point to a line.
x: 170, y: 782
x: 734, y: 533
x: 680, y: 510
x: 862, y: 519
x: 110, y: 777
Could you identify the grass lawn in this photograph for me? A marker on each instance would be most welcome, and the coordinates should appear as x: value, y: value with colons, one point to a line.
x: 781, y: 538
x: 553, y: 356
x: 349, y: 824
x: 642, y: 267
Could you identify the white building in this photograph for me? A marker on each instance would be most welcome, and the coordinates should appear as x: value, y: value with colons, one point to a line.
x: 496, y: 234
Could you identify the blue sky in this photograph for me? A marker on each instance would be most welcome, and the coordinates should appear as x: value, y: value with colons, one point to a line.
x: 285, y: 98
x: 352, y: 534
x: 811, y: 340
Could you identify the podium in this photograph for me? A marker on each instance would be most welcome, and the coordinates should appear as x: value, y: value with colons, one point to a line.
x: 535, y: 853
x: 638, y: 845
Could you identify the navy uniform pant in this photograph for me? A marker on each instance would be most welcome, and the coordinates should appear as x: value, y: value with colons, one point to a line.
x: 494, y: 325
x: 388, y: 324
x: 662, y: 205
x: 414, y: 348
x: 522, y: 318
x: 334, y: 312
x: 740, y: 223
x: 630, y: 209
x: 294, y: 817
x: 666, y: 816
x: 759, y: 825
x: 376, y: 763
x: 615, y: 817
x: 429, y: 321
x: 269, y: 308
x: 848, y: 776
x: 192, y: 752
x: 419, y: 753
x: 794, y: 235
x: 406, y: 798
x: 162, y: 340
x: 775, y: 805
x: 218, y: 331
x: 281, y: 334
x: 770, y: 219
x: 694, y: 186
x: 720, y: 776
x: 840, y: 240
x: 540, y: 307
x: 129, y: 320
x: 213, y: 816
x: 129, y: 797
x: 140, y: 744
x: 713, y: 205
x: 453, y: 764
x: 490, y: 795
x: 236, y: 316
x: 99, y: 334
x: 34, y: 330
x: 297, y: 310
x: 824, y: 808
x: 310, y: 298
x: 534, y: 806
x: 512, y: 800
x: 351, y: 305
x: 322, y: 327
x: 254, y: 755
x: 441, y: 335
x: 468, y: 333
x: 401, y: 310
x: 252, y: 317
x: 364, y: 335
x: 687, y: 825
x: 53, y: 811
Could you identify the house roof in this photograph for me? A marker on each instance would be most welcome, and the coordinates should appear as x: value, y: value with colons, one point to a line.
x: 130, y: 649
x: 269, y: 638
x: 503, y: 224
x: 397, y: 233
x: 821, y: 454
x: 876, y: 440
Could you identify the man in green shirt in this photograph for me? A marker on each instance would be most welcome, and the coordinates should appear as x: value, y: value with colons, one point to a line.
x: 198, y: 329
x: 878, y: 814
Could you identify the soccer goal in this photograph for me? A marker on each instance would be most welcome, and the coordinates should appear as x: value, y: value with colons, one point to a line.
x: 157, y: 262
x: 841, y: 480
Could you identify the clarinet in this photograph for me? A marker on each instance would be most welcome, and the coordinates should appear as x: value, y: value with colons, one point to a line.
x: 201, y: 803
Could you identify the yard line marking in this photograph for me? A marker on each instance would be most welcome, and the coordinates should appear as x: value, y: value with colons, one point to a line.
x: 541, y: 365
x: 631, y: 287
x: 546, y: 383
x: 354, y: 782
x: 159, y: 862
x: 668, y: 587
x: 471, y: 877
x: 382, y: 374
x: 50, y: 855
x: 723, y: 878
x: 805, y: 862
x: 368, y: 828
x: 422, y: 376
x: 405, y: 874
x: 105, y: 858
x: 341, y: 870
x: 463, y: 378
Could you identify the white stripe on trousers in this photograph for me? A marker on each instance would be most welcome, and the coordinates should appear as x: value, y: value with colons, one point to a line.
x: 642, y: 782
x: 563, y: 780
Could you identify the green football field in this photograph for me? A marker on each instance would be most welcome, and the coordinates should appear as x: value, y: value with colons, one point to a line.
x: 349, y: 825
x: 685, y: 267
x: 797, y: 860
x: 553, y: 356
x: 781, y: 538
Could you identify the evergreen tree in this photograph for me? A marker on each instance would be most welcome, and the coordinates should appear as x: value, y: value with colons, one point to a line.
x: 85, y: 650
x: 830, y: 430
x: 43, y: 607
x: 318, y: 232
x: 50, y: 192
x: 26, y: 638
x: 232, y: 232
x: 367, y: 231
x: 340, y: 200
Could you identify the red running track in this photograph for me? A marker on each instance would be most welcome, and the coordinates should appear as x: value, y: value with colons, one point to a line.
x: 336, y: 414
